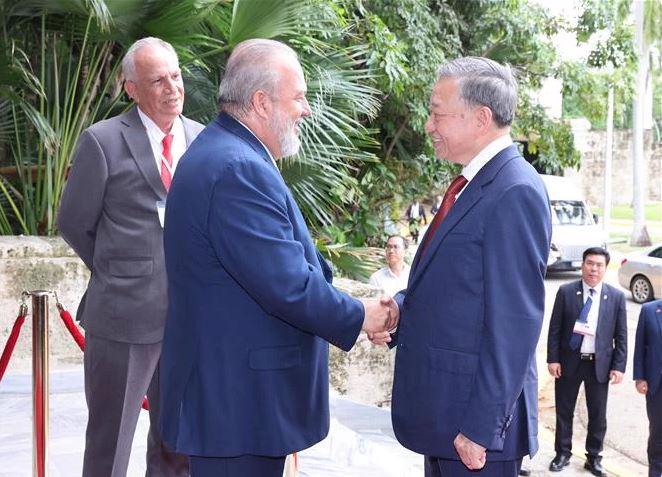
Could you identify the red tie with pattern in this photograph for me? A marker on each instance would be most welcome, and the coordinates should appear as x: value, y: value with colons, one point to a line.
x: 166, y: 175
x: 449, y: 199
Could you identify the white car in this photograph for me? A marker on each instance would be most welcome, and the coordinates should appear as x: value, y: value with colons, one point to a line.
x: 574, y: 228
x: 641, y: 273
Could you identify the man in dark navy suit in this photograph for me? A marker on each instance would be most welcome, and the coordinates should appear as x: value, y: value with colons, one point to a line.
x: 465, y: 387
x: 648, y: 378
x: 244, y: 368
x: 587, y: 343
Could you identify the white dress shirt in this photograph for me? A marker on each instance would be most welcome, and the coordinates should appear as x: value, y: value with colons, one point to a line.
x: 388, y: 281
x: 488, y: 152
x: 155, y: 135
x: 588, y: 343
x: 414, y: 212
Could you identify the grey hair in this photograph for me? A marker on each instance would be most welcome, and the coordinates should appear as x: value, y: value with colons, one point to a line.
x: 484, y: 82
x: 129, y: 62
x: 251, y: 68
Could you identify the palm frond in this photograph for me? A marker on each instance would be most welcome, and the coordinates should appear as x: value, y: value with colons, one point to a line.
x: 96, y: 9
x: 353, y: 262
x: 266, y: 19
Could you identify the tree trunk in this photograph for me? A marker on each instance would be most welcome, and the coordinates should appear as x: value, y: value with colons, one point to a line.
x: 640, y: 235
x: 606, y: 217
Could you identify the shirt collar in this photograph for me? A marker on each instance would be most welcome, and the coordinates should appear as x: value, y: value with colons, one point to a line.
x: 405, y: 269
x: 597, y: 288
x: 155, y: 132
x: 492, y: 149
x: 258, y: 140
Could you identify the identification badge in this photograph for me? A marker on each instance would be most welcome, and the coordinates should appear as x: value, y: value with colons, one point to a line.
x: 583, y: 329
x: 160, y: 209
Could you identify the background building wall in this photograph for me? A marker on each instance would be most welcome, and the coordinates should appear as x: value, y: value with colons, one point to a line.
x: 590, y: 176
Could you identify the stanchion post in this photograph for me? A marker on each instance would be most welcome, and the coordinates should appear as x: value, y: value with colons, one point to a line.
x: 40, y: 382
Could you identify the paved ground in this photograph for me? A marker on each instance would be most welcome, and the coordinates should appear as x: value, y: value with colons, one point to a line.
x: 627, y: 426
x: 361, y: 441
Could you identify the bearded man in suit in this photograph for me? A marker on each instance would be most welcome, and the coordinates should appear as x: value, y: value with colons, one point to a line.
x: 244, y: 371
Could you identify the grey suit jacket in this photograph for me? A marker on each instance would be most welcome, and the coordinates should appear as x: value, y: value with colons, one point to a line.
x: 108, y: 215
x: 610, y: 335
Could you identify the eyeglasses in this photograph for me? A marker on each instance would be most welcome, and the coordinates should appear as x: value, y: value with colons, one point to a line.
x: 393, y: 247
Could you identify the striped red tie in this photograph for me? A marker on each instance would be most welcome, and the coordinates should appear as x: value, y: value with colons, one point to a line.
x: 166, y: 175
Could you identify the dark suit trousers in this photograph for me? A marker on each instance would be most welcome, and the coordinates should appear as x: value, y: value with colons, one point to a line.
x: 117, y: 376
x: 566, y: 391
x: 435, y: 467
x: 241, y: 466
x: 654, y: 410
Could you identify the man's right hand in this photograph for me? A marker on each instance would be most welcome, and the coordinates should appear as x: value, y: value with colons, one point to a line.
x: 554, y: 369
x: 380, y: 316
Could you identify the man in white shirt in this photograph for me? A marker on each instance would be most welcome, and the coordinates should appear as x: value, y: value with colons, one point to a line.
x: 587, y: 343
x: 394, y: 277
x: 417, y: 218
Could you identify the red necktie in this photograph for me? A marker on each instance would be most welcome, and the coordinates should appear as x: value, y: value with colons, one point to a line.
x: 449, y: 199
x: 166, y: 176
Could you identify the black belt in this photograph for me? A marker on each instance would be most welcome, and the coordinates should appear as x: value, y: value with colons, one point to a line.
x: 587, y: 356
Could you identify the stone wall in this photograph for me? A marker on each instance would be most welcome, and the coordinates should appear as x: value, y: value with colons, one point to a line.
x: 590, y: 176
x: 39, y: 263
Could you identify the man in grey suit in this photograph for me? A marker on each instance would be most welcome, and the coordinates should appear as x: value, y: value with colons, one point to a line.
x: 587, y: 343
x: 110, y: 215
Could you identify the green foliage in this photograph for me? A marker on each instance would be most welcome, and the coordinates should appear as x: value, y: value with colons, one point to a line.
x: 408, y: 41
x: 610, y: 62
x: 369, y: 65
x: 551, y: 142
x: 59, y: 66
x: 518, y: 33
x: 52, y: 95
x: 68, y: 80
x: 585, y: 94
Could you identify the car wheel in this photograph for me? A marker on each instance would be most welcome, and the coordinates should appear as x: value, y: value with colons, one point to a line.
x: 641, y: 288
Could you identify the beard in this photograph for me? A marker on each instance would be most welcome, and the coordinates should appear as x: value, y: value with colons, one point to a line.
x: 287, y: 137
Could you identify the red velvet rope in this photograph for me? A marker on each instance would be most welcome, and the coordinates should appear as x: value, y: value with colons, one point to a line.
x: 80, y: 339
x: 73, y: 329
x: 11, y: 342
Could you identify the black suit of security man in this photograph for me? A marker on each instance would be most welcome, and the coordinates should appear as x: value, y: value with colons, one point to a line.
x: 592, y: 359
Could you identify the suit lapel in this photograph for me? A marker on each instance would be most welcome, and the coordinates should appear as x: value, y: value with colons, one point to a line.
x: 469, y: 197
x: 464, y: 203
x: 136, y: 139
x: 579, y: 299
x: 605, y: 302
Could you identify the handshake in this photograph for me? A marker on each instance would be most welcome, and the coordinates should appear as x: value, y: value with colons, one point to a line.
x: 381, y: 318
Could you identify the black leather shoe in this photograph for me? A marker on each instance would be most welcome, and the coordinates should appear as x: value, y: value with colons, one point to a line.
x: 559, y: 462
x: 525, y: 472
x: 595, y: 467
